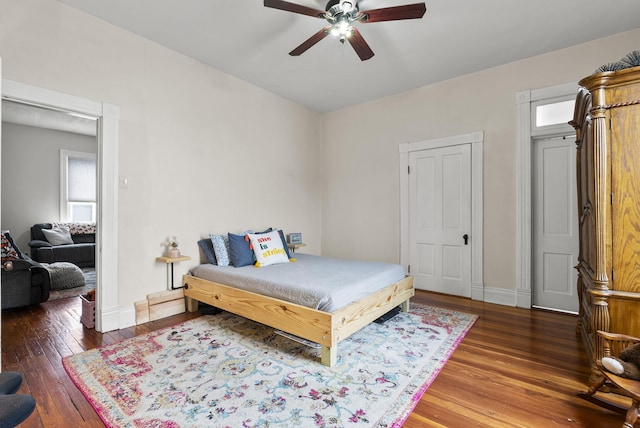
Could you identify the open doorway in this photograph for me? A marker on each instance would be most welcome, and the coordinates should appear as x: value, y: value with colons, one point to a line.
x: 107, y: 312
x: 49, y: 184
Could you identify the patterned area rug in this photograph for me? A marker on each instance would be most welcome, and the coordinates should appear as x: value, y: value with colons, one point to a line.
x: 227, y: 371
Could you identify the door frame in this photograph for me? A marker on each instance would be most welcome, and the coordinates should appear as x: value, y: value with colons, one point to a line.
x: 476, y: 140
x: 108, y: 316
x: 526, y: 132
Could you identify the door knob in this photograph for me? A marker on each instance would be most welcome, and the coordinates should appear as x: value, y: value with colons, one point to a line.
x: 466, y: 239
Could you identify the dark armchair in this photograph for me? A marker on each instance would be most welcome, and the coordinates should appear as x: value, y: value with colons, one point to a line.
x: 24, y: 281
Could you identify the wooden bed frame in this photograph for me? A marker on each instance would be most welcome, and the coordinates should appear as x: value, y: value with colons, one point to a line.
x: 324, y: 328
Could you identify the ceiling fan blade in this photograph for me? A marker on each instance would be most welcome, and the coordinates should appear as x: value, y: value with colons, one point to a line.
x: 310, y: 42
x: 293, y: 7
x: 394, y: 13
x: 360, y: 45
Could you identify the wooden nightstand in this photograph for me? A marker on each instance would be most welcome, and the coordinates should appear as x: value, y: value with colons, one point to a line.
x: 170, y: 261
x: 294, y: 247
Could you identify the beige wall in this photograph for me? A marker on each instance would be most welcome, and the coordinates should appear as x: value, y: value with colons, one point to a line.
x: 361, y: 182
x: 203, y: 151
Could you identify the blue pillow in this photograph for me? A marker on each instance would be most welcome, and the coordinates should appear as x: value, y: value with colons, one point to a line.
x: 207, y: 248
x: 284, y: 243
x: 240, y: 253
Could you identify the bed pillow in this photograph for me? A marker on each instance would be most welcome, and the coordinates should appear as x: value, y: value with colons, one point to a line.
x: 207, y: 248
x: 284, y: 243
x: 58, y: 236
x: 240, y: 253
x: 221, y: 249
x: 268, y: 248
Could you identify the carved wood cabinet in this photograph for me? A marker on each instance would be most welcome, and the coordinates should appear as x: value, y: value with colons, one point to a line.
x: 607, y: 123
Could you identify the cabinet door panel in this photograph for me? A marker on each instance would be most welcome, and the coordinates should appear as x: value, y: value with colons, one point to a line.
x: 625, y: 187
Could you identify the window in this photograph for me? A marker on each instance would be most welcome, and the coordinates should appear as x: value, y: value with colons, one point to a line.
x: 553, y: 114
x: 78, y: 186
x: 549, y: 114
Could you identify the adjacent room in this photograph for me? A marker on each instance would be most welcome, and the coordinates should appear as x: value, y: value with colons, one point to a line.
x: 184, y: 185
x: 59, y: 188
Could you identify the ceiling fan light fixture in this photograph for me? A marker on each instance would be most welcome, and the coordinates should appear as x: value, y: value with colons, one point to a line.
x: 342, y: 29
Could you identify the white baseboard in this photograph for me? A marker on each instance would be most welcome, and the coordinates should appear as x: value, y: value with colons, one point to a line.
x: 477, y: 291
x: 523, y: 298
x: 500, y: 296
x: 117, y: 318
x: 110, y: 320
x: 127, y: 317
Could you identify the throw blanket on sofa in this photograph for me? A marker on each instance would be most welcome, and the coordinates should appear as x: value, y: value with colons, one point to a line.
x: 77, y: 228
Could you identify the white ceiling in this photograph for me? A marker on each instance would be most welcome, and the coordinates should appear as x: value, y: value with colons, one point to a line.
x: 455, y: 37
x: 25, y: 114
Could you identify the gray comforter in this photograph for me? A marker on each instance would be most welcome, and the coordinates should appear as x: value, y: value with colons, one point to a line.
x: 322, y: 283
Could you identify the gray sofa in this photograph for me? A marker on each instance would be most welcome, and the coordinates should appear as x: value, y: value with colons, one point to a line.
x: 24, y: 281
x: 82, y: 252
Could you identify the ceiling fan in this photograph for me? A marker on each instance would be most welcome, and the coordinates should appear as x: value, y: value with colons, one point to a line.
x: 341, y: 15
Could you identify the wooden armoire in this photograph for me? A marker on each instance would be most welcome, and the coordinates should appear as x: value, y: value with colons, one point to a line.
x: 607, y: 123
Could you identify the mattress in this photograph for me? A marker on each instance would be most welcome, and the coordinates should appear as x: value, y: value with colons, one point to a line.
x: 322, y: 283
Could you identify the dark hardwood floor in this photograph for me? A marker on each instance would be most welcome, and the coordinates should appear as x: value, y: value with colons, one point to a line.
x: 515, y: 368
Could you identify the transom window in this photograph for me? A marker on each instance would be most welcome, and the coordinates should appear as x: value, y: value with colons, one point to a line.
x: 551, y: 113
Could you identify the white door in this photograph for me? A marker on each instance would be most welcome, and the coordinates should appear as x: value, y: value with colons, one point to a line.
x: 555, y: 224
x: 440, y: 219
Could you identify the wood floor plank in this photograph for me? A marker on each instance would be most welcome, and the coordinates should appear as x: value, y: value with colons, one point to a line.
x: 515, y: 368
x: 53, y: 407
x: 85, y: 410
